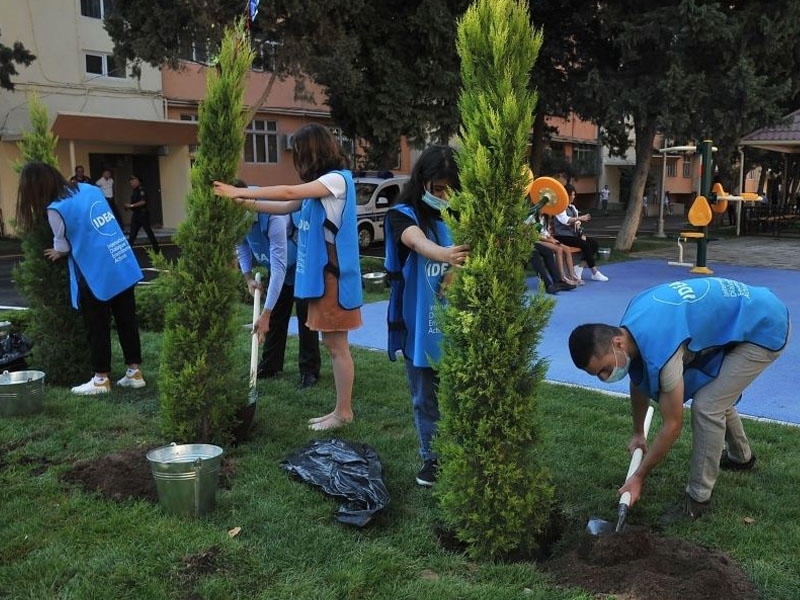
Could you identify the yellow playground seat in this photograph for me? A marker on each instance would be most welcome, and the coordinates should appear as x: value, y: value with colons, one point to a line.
x: 699, y: 216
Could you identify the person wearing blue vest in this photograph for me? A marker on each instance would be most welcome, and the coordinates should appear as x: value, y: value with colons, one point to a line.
x: 102, y: 267
x: 704, y: 339
x: 271, y: 242
x: 328, y: 272
x: 419, y: 251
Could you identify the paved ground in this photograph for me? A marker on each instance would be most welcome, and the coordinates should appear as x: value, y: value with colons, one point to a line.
x: 747, y: 251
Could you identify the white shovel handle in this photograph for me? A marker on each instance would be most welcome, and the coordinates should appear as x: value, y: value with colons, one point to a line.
x: 636, y: 457
x: 254, y: 342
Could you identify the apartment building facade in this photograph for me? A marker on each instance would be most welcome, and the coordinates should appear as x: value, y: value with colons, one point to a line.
x: 103, y: 117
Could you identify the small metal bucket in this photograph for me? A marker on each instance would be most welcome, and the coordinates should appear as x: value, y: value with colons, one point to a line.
x: 186, y: 477
x: 21, y: 393
x: 374, y: 282
x: 605, y: 253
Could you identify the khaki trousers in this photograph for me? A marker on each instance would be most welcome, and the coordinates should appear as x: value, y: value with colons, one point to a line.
x: 715, y: 420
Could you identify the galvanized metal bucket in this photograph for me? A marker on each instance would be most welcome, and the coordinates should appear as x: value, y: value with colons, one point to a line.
x: 21, y: 393
x: 186, y: 477
x: 374, y: 282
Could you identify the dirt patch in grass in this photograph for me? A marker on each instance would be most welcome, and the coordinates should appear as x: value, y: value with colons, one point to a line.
x: 638, y: 564
x: 126, y: 474
x: 119, y: 476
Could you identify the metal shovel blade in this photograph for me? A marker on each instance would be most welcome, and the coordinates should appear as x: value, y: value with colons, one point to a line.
x: 597, y: 527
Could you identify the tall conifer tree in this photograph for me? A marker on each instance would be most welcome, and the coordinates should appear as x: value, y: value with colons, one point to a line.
x: 494, y: 493
x: 200, y: 385
x: 55, y: 328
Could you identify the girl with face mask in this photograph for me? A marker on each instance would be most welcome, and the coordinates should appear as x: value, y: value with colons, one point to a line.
x: 419, y: 252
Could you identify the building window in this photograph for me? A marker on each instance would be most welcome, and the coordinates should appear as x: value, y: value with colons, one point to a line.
x: 95, y: 9
x: 195, y: 51
x: 261, y: 142
x: 264, y: 50
x: 347, y: 144
x: 105, y: 65
x: 584, y: 161
x: 190, y: 117
x: 672, y: 168
x: 687, y: 169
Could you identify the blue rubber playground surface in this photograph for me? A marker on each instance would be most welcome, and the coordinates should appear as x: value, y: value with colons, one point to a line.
x: 773, y: 395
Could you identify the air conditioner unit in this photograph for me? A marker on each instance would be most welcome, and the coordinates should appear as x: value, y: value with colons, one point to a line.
x: 288, y: 141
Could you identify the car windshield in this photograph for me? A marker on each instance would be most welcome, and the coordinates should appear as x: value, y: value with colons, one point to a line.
x: 364, y: 192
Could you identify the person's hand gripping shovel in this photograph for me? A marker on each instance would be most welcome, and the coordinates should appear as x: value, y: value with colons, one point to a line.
x: 599, y: 526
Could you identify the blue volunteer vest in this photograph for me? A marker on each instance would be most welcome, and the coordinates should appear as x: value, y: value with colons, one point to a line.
x: 312, y: 254
x: 99, y: 250
x: 707, y: 313
x: 258, y: 241
x: 414, y: 295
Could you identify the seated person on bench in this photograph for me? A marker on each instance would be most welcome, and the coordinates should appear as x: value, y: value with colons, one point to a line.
x: 568, y: 229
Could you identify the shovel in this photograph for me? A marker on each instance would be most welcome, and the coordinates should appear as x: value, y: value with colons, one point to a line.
x: 599, y: 526
x: 246, y: 414
x: 252, y: 395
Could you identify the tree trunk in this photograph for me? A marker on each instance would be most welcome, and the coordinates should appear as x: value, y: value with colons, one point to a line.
x: 645, y: 135
x: 537, y: 143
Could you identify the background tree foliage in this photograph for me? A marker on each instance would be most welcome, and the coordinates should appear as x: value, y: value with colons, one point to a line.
x: 390, y: 68
x: 692, y: 69
x: 200, y: 385
x: 17, y: 54
x: 55, y: 328
x: 493, y: 492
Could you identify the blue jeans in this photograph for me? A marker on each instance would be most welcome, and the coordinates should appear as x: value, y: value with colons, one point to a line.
x: 423, y: 383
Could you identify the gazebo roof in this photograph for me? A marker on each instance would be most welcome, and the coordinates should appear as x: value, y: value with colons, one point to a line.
x: 783, y: 137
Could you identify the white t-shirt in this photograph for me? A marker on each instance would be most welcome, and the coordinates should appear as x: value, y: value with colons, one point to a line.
x: 333, y: 204
x: 107, y: 185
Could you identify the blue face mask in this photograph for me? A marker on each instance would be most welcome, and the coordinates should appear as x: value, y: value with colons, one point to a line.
x: 434, y: 201
x: 619, y: 372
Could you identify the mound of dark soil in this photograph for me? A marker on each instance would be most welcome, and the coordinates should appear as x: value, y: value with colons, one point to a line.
x: 126, y: 474
x: 638, y: 564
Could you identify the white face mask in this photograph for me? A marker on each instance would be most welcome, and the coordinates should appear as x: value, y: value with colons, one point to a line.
x: 619, y: 372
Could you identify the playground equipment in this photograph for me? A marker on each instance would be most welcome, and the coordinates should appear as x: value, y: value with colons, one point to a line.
x: 548, y: 195
x: 712, y: 199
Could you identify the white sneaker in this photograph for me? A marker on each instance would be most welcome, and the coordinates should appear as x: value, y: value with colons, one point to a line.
x: 93, y: 387
x: 578, y: 272
x: 133, y: 378
x: 598, y: 276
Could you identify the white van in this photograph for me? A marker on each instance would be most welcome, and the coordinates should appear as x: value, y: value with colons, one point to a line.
x: 373, y: 197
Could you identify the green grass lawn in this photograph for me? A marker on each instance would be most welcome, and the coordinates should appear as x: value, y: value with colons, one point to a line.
x: 59, y: 541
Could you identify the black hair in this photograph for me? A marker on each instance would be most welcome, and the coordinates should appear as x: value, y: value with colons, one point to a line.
x: 589, y: 340
x: 436, y: 163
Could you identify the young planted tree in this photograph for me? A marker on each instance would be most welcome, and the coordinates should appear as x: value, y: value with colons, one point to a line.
x: 494, y: 493
x: 200, y: 386
x: 55, y: 328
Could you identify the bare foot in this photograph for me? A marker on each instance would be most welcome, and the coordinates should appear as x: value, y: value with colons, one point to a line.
x: 313, y: 420
x: 332, y: 422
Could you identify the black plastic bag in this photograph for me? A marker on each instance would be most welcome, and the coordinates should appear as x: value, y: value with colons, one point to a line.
x: 344, y: 470
x: 14, y: 347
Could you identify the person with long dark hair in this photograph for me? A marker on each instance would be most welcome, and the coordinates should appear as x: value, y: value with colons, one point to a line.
x: 328, y: 272
x: 102, y: 267
x: 419, y: 251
